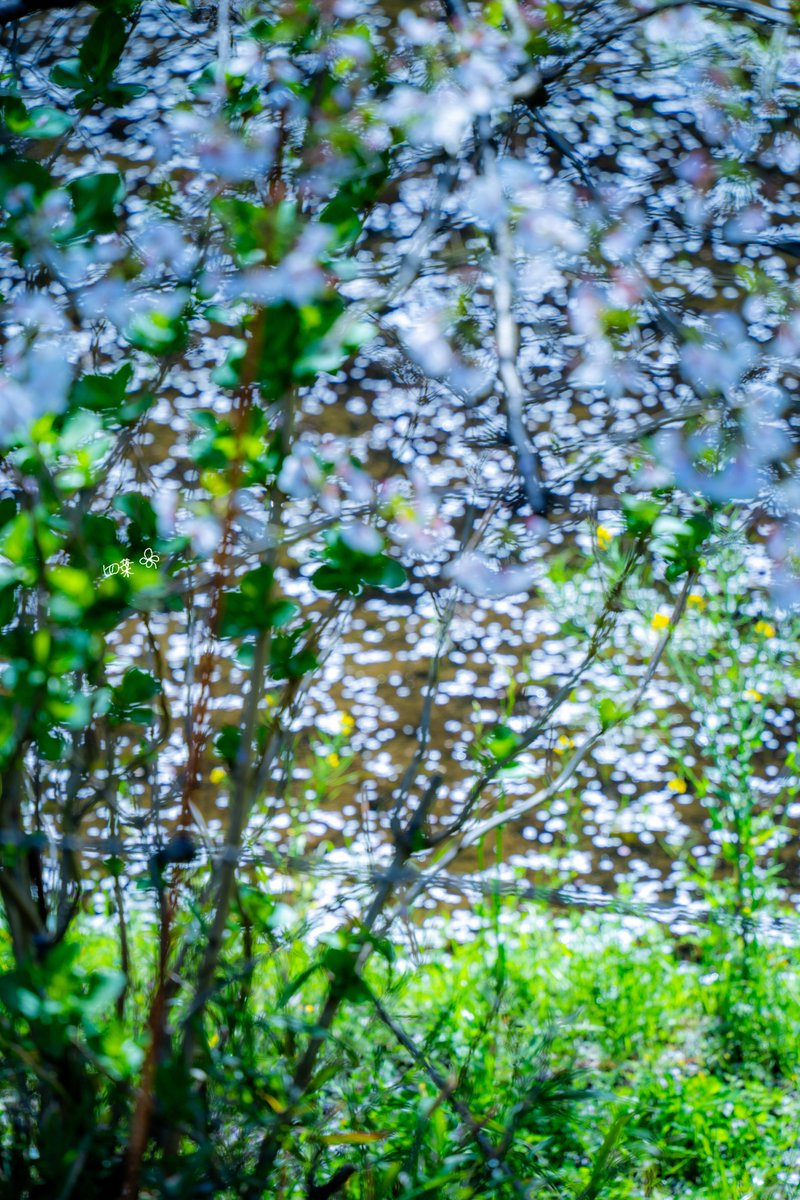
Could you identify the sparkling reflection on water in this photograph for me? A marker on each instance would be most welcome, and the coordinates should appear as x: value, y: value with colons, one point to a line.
x: 618, y: 829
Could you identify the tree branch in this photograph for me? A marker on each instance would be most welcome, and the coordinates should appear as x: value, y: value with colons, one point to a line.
x: 515, y: 811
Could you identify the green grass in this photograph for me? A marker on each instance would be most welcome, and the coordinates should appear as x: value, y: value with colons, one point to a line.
x: 610, y: 1059
x: 580, y: 1056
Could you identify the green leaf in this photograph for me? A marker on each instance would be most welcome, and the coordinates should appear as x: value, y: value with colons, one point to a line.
x: 610, y: 713
x: 341, y: 962
x: 17, y: 539
x: 41, y: 121
x: 227, y: 742
x: 280, y: 612
x: 249, y: 609
x: 8, y: 509
x: 102, y: 393
x: 91, y: 74
x: 104, y: 988
x: 68, y: 74
x: 131, y: 698
x: 299, y: 664
x: 286, y: 661
x: 15, y: 172
x: 295, y: 984
x: 639, y: 514
x: 228, y: 374
x: 347, y: 570
x: 138, y: 509
x: 102, y: 48
x: 280, y: 349
x: 258, y: 235
x: 618, y: 320
x: 46, y: 122
x: 357, y: 193
x: 679, y: 542
x: 333, y: 579
x: 94, y: 203
x: 73, y: 583
x: 256, y: 584
x: 18, y: 999
x: 136, y: 685
x: 385, y: 572
x: 503, y: 742
x: 51, y: 744
x: 72, y: 709
x: 158, y: 332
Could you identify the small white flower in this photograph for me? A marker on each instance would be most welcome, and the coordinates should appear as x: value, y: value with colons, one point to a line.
x: 36, y: 381
x: 475, y: 575
x: 205, y: 533
x: 301, y: 476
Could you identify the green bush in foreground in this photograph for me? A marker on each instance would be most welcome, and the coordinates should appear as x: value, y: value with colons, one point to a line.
x: 593, y: 1058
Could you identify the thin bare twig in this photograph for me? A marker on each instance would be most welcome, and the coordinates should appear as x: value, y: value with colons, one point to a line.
x: 522, y: 807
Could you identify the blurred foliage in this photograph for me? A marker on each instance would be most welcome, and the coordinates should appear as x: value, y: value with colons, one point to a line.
x: 191, y: 1009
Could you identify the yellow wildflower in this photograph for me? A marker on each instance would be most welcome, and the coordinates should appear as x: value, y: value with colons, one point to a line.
x: 752, y: 694
x: 604, y: 537
x: 217, y: 774
x: 332, y: 759
x: 563, y: 744
x: 696, y: 600
x: 677, y: 785
x: 765, y: 627
x: 660, y: 621
x: 347, y: 724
